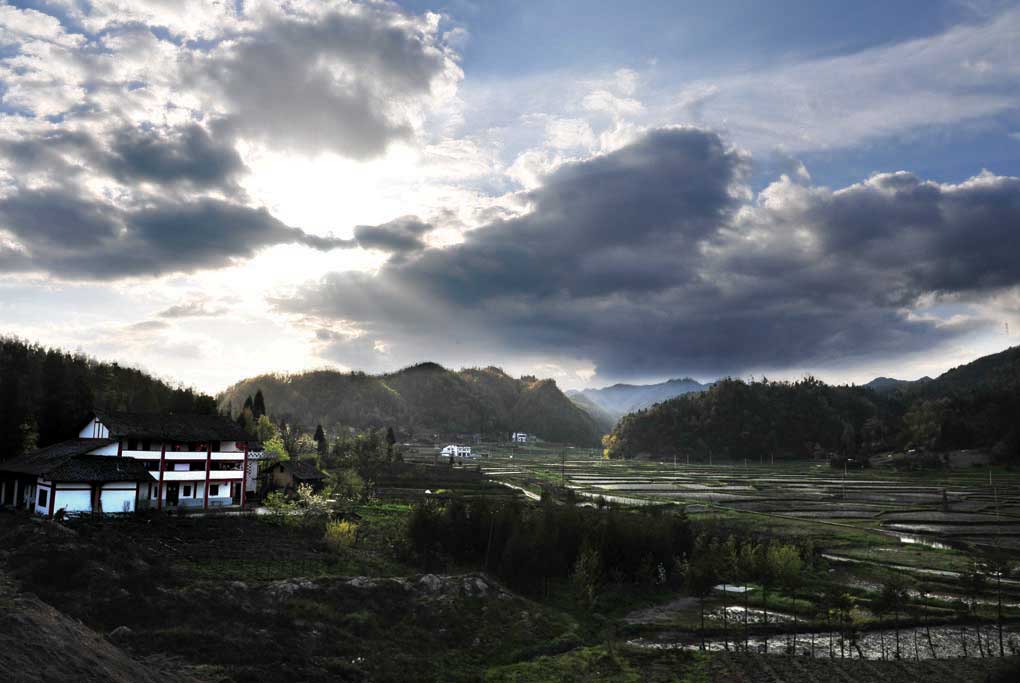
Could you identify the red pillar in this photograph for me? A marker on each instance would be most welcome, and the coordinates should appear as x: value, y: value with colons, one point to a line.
x: 205, y: 494
x: 159, y: 488
x: 244, y: 474
x: 120, y: 448
x: 53, y: 495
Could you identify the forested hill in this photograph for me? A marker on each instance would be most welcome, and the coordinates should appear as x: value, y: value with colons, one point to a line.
x: 423, y: 399
x: 973, y: 406
x: 46, y: 394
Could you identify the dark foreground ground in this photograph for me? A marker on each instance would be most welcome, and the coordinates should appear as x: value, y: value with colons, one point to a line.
x: 252, y: 599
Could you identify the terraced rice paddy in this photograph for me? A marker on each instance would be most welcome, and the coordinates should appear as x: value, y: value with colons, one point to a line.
x: 959, y: 508
x: 867, y: 526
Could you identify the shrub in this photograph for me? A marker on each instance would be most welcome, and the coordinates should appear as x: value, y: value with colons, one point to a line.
x: 342, y: 534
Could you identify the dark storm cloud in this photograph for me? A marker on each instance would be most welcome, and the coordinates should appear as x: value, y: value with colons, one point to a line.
x: 400, y: 236
x: 187, y: 154
x: 75, y: 238
x: 328, y: 83
x: 169, y: 156
x: 647, y: 262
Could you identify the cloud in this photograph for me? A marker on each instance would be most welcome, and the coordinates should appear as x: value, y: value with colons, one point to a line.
x: 401, y: 236
x: 964, y: 74
x: 352, y: 80
x: 654, y: 260
x: 79, y: 237
x: 183, y: 154
x: 198, y: 308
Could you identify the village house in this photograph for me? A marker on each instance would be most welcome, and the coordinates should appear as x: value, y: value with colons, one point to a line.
x: 123, y: 462
x: 289, y: 474
x: 454, y: 451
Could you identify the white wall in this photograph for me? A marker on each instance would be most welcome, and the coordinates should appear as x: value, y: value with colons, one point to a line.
x: 222, y: 497
x: 94, y: 430
x: 41, y: 509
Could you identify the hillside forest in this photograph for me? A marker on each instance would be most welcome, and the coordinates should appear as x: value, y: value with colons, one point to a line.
x: 46, y: 394
x: 973, y: 406
x: 424, y: 400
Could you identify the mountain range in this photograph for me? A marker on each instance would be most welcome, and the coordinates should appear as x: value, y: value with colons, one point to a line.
x: 422, y: 400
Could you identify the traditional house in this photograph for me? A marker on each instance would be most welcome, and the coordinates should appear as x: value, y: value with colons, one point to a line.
x: 72, y: 476
x: 122, y: 462
x: 289, y: 474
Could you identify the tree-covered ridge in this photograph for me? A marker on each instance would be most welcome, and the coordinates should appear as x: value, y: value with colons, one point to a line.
x: 973, y: 406
x: 46, y: 395
x: 421, y: 400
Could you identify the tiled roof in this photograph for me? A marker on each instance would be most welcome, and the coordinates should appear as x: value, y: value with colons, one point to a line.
x: 100, y: 468
x: 172, y: 427
x: 72, y: 461
x: 303, y: 469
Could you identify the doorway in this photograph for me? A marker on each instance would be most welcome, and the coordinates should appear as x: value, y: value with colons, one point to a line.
x: 173, y: 493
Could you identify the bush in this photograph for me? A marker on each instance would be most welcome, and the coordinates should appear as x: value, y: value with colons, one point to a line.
x: 342, y: 534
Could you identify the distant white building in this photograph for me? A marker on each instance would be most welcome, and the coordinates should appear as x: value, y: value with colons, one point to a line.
x: 453, y: 451
x: 519, y: 437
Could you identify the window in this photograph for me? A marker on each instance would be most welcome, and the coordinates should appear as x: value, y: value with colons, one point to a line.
x: 187, y: 491
x: 214, y: 489
x: 132, y: 444
x: 44, y: 497
x: 146, y: 445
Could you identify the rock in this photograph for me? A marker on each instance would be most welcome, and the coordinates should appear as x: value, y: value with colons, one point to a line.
x: 430, y: 583
x: 121, y: 633
x: 282, y: 590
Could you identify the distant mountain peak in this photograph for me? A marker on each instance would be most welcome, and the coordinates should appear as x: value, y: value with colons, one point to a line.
x: 619, y: 399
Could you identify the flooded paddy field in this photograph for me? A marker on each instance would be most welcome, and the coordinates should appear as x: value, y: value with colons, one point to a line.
x: 944, y: 508
x: 933, y: 530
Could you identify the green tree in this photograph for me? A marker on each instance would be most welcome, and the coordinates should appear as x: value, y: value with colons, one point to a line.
x: 974, y: 584
x: 787, y: 567
x: 275, y: 448
x: 321, y: 444
x: 391, y: 440
x: 265, y: 429
x: 588, y: 576
x: 699, y: 578
x: 258, y: 404
x: 894, y: 599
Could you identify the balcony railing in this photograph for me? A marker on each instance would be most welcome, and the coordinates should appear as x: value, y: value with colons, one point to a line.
x: 199, y: 475
x: 184, y: 455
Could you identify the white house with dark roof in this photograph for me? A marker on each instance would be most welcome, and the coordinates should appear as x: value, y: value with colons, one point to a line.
x: 122, y: 462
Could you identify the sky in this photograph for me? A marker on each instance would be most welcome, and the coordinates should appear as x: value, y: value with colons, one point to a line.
x: 589, y: 191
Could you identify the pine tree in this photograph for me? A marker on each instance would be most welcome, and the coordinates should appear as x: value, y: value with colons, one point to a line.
x: 320, y: 440
x: 391, y: 440
x: 258, y: 407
